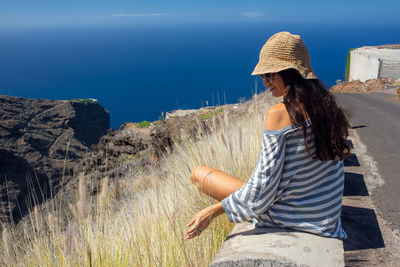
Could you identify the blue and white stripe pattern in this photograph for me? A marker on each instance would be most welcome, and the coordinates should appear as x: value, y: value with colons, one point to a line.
x: 289, y: 188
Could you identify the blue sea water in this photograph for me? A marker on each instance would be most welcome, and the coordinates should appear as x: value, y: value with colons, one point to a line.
x: 138, y: 72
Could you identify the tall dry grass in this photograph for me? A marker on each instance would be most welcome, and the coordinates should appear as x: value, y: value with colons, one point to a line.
x: 140, y: 219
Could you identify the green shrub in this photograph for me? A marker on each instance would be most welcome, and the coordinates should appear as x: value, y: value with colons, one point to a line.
x: 211, y: 114
x: 346, y: 74
x: 143, y: 124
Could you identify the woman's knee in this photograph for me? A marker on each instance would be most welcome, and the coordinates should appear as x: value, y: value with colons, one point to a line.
x: 195, y: 175
x: 199, y: 173
x: 214, y: 182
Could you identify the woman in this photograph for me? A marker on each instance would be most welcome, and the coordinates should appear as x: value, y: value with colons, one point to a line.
x: 298, y: 181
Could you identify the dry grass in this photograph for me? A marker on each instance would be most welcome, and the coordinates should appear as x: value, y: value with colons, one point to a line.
x: 140, y: 220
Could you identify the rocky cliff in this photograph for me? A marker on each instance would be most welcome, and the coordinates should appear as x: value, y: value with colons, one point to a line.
x: 134, y: 146
x: 44, y: 141
x: 41, y: 141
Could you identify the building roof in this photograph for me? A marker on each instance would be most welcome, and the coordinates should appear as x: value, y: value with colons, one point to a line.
x: 383, y: 52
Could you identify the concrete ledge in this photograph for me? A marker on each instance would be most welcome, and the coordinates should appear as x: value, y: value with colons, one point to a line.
x: 247, y: 246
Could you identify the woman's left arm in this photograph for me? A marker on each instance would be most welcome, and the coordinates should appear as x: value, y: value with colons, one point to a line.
x: 202, y: 219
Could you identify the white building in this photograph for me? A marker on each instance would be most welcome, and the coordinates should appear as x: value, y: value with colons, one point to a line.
x: 372, y: 62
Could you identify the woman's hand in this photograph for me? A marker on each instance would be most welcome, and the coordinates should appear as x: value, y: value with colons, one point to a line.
x: 202, y: 219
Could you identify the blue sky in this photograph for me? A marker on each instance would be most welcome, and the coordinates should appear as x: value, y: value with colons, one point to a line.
x: 27, y: 13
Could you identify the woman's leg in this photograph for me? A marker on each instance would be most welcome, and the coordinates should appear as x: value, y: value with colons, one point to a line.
x: 214, y: 182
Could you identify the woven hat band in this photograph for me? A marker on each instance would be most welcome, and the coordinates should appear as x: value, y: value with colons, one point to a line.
x: 284, y: 51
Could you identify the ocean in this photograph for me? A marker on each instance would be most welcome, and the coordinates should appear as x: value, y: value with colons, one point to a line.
x: 138, y: 72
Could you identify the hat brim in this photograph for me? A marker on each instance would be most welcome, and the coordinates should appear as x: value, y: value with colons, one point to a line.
x: 269, y: 68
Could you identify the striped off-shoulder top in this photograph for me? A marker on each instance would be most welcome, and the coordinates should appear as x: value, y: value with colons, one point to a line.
x: 289, y: 188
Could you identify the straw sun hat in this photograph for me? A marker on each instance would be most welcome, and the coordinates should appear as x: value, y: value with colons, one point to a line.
x: 283, y: 51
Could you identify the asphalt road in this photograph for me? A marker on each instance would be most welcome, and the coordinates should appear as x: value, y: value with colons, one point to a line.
x: 376, y: 119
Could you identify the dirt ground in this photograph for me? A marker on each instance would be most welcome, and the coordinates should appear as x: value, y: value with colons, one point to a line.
x: 373, y: 85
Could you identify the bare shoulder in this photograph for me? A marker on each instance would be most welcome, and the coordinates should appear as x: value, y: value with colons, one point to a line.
x: 277, y: 117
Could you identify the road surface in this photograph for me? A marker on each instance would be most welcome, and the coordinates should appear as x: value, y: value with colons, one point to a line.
x: 376, y: 119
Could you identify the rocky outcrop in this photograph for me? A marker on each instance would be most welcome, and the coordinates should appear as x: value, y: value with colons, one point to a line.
x: 136, y: 147
x: 107, y: 158
x: 41, y: 141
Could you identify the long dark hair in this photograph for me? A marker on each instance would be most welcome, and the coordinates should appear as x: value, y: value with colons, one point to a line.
x: 329, y: 123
